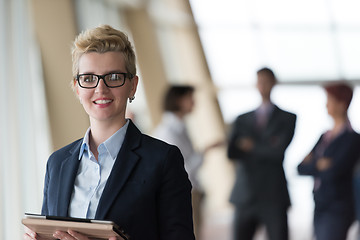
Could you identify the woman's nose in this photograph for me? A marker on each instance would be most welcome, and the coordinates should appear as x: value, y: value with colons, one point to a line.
x: 101, y: 87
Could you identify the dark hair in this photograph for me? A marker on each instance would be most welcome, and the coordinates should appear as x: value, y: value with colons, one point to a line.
x: 341, y: 91
x: 268, y: 71
x: 174, y: 94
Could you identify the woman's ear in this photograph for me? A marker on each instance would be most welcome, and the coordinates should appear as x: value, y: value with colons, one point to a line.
x: 134, y: 84
x: 75, y: 87
x: 76, y: 90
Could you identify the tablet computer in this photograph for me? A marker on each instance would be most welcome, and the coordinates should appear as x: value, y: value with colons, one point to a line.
x: 45, y: 226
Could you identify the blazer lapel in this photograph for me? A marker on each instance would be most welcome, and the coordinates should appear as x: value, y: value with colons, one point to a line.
x: 67, y: 177
x: 123, y: 166
x: 250, y: 120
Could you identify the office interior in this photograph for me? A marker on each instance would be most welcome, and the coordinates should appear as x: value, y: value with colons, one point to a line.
x: 216, y: 46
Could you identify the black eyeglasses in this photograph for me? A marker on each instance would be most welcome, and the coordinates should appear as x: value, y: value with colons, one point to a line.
x: 111, y: 80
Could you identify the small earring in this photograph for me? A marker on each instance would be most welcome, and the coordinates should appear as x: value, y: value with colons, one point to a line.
x: 80, y: 100
x: 131, y: 99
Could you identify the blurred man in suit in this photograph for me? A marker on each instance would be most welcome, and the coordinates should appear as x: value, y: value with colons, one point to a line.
x: 257, y: 144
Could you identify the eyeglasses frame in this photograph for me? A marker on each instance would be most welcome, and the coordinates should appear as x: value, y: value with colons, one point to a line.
x: 126, y: 75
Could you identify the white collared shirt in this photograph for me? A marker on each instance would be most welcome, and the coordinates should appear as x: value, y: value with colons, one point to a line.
x: 173, y: 131
x: 92, y: 175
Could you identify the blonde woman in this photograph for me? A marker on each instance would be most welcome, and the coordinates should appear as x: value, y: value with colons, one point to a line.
x: 115, y: 172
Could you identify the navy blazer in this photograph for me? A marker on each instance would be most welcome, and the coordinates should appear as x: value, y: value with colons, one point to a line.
x: 334, y: 190
x: 260, y: 176
x: 148, y: 193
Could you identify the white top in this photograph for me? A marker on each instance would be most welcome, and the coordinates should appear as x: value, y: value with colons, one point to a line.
x: 92, y: 175
x: 173, y: 131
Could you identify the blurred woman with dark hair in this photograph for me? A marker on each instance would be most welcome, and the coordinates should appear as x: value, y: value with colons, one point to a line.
x: 178, y: 102
x: 331, y: 162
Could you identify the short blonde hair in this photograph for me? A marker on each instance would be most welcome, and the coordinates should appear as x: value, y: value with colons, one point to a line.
x: 103, y: 39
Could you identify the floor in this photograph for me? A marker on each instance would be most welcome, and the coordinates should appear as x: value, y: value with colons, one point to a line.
x: 218, y: 179
x: 217, y: 226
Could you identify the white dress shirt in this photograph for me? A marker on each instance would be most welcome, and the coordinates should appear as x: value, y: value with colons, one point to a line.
x: 173, y: 131
x: 92, y: 175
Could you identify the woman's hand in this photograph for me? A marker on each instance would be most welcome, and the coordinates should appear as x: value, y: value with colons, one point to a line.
x: 69, y: 235
x: 31, y: 235
x: 323, y: 164
x: 72, y: 235
x: 214, y: 145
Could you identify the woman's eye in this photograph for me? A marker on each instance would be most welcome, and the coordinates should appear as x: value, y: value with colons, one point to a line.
x: 89, y: 78
x: 115, y: 77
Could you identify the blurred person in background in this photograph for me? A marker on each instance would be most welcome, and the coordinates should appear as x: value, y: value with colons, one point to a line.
x: 177, y: 104
x: 115, y: 172
x: 331, y: 162
x: 357, y: 195
x: 257, y: 145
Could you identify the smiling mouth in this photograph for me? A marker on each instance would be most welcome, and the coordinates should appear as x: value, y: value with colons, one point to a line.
x: 102, y: 101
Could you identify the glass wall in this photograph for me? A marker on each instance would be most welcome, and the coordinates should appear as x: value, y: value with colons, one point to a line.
x: 302, y: 40
x: 306, y: 43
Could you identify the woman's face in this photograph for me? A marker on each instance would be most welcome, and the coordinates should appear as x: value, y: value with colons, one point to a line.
x: 335, y: 107
x: 187, y: 103
x: 103, y: 103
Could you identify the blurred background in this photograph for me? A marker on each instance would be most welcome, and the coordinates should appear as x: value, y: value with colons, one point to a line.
x: 217, y: 46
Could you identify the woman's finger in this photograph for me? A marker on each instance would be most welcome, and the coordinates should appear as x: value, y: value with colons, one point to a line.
x: 28, y: 237
x: 63, y: 236
x: 77, y: 235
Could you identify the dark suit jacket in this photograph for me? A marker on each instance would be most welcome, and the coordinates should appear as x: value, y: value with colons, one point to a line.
x: 148, y: 193
x: 260, y: 177
x: 334, y: 192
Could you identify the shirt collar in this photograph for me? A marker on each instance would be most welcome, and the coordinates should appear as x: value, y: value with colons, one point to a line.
x: 85, y: 143
x: 329, y: 135
x: 266, y: 107
x: 112, y: 144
